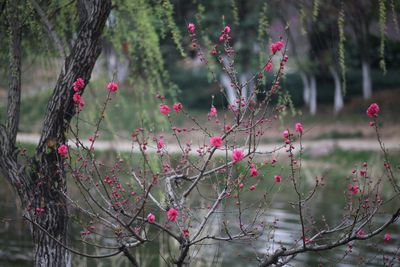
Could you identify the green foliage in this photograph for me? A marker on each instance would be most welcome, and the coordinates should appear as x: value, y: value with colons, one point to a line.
x: 134, y: 25
x: 394, y: 16
x: 170, y: 23
x: 341, y: 49
x: 315, y: 10
x: 382, y: 25
x: 263, y: 25
x: 235, y: 13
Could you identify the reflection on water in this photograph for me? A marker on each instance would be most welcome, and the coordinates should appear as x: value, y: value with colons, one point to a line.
x: 16, y: 248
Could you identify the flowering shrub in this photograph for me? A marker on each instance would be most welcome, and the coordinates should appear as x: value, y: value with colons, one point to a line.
x: 197, y: 191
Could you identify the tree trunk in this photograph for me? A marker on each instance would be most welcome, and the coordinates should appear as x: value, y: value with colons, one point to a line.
x: 306, y: 88
x: 42, y: 189
x: 366, y: 77
x: 313, y: 95
x: 230, y: 91
x: 338, y: 98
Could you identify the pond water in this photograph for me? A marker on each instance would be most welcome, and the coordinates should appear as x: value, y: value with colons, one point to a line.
x: 16, y: 248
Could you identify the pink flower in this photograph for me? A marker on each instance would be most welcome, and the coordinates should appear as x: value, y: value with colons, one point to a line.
x: 227, y: 29
x: 77, y: 98
x: 216, y: 141
x: 227, y: 127
x: 353, y: 189
x: 299, y: 128
x: 191, y: 27
x: 277, y: 46
x: 78, y: 84
x: 160, y: 144
x: 285, y: 134
x: 172, y: 214
x: 213, y: 112
x: 112, y: 87
x: 362, y: 172
x: 177, y: 107
x: 277, y: 178
x: 237, y: 155
x: 387, y: 237
x: 253, y: 171
x: 253, y: 187
x: 360, y: 233
x: 373, y: 110
x: 63, y: 150
x: 164, y: 109
x: 241, y: 185
x: 268, y: 67
x: 186, y: 233
x: 151, y: 218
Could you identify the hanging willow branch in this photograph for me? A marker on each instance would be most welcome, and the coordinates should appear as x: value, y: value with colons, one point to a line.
x: 315, y: 11
x: 341, y: 50
x: 394, y: 15
x: 382, y: 24
x: 235, y: 13
x: 263, y: 25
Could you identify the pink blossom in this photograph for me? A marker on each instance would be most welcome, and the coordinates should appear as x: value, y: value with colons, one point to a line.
x: 275, y: 47
x: 164, y: 109
x: 277, y: 178
x: 227, y: 29
x: 241, y: 185
x: 285, y: 134
x: 268, y: 67
x: 213, y: 112
x: 279, y: 45
x: 186, y: 233
x: 253, y: 187
x: 253, y: 171
x: 77, y: 98
x: 373, y: 110
x: 63, y: 150
x: 160, y: 144
x: 360, y: 233
x: 237, y: 155
x: 285, y: 58
x: 216, y: 141
x: 112, y: 87
x: 78, y: 84
x: 227, y: 127
x: 191, y: 27
x: 172, y: 214
x: 353, y: 189
x: 387, y: 237
x: 151, y: 218
x: 177, y: 107
x: 298, y: 127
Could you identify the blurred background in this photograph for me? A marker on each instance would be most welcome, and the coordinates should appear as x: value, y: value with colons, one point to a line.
x: 343, y: 55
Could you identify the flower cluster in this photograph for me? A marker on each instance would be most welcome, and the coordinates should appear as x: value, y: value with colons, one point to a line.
x: 63, y: 150
x: 77, y: 98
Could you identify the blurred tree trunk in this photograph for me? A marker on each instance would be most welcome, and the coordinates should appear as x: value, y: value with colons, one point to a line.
x: 41, y: 184
x: 367, y: 81
x: 313, y: 95
x: 338, y: 98
x: 306, y: 88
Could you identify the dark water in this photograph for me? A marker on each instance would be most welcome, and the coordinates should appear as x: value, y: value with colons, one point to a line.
x: 16, y: 248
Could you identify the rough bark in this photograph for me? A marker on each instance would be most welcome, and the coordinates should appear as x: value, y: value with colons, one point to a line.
x: 43, y: 185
